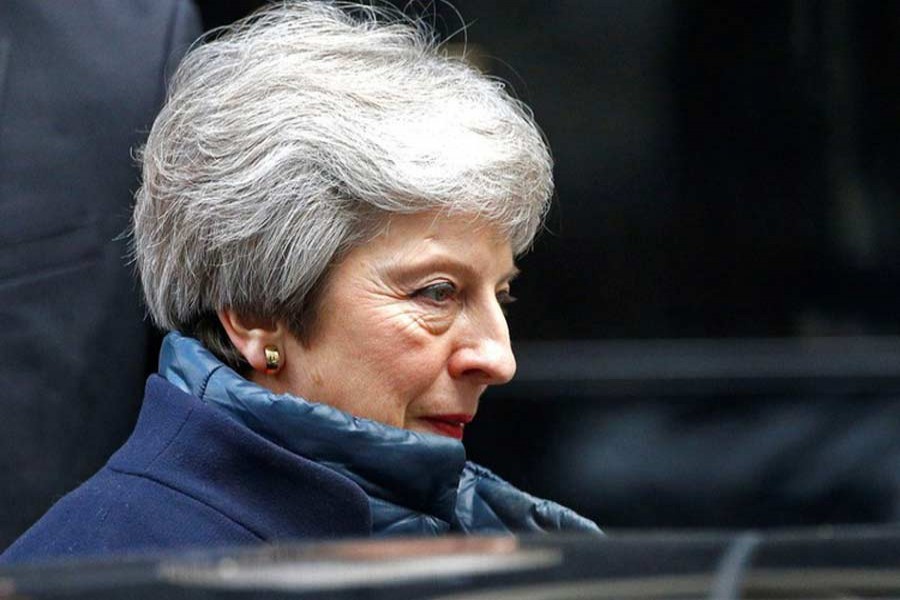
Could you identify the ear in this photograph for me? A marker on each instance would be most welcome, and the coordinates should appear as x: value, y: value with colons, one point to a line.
x: 252, y: 335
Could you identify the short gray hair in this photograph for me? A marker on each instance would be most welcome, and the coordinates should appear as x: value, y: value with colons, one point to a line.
x: 286, y: 136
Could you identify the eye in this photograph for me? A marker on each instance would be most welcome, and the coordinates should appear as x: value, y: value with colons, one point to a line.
x: 438, y: 293
x: 504, y: 299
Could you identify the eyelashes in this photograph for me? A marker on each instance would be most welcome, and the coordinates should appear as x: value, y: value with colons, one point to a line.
x: 504, y: 298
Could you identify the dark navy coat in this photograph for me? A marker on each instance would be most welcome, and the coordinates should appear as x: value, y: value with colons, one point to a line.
x: 216, y: 460
x: 191, y: 476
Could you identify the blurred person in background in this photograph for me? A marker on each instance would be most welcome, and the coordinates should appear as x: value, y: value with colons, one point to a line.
x: 80, y: 84
x: 327, y: 225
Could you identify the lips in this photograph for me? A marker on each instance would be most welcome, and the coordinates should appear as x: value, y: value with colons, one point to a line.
x: 449, y: 425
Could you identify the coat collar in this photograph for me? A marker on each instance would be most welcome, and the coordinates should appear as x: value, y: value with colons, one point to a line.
x: 405, y: 468
x: 196, y: 451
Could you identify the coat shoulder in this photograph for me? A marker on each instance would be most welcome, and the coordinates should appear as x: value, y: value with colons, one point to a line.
x: 190, y: 476
x: 124, y: 513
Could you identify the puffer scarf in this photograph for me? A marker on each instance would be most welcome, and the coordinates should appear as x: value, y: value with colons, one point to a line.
x: 416, y: 483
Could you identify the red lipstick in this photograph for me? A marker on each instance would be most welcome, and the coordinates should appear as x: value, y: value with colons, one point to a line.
x: 449, y: 425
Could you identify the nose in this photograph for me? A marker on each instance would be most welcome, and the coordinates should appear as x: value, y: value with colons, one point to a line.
x: 484, y: 353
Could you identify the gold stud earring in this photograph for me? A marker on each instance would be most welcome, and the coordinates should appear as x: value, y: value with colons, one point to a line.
x: 273, y: 359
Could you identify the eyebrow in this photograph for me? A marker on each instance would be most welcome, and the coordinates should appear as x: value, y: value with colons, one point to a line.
x: 424, y: 266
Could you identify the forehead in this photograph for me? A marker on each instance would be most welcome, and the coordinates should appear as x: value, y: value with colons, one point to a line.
x: 419, y: 237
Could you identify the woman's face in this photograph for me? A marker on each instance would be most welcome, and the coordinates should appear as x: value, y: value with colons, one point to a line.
x: 410, y: 328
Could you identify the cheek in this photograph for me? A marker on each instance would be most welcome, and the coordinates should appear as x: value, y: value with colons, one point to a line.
x: 405, y: 357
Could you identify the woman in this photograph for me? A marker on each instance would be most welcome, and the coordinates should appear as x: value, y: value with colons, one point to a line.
x: 327, y: 223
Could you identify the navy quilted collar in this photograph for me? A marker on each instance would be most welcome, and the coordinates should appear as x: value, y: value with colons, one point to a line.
x: 405, y: 468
